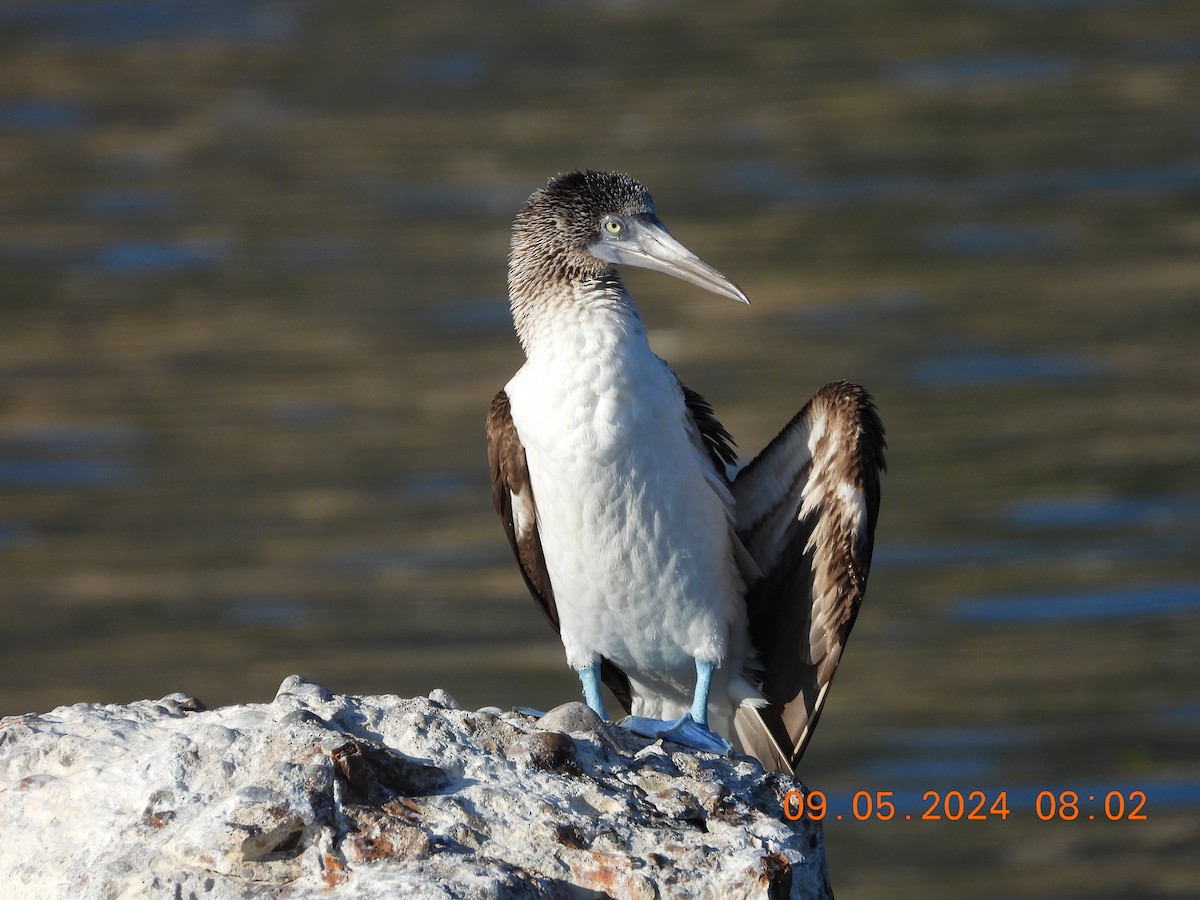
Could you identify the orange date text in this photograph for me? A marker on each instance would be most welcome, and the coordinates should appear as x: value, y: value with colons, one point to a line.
x: 967, y: 806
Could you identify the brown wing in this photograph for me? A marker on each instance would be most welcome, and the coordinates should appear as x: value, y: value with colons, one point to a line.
x: 806, y: 509
x: 512, y: 496
x: 717, y: 442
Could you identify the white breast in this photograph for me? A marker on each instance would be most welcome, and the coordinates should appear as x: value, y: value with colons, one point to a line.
x: 635, y: 528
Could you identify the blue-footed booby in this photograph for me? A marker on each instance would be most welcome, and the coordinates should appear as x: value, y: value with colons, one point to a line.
x: 713, y: 608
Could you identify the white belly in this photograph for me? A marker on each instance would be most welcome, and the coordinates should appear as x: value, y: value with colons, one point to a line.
x: 635, y: 531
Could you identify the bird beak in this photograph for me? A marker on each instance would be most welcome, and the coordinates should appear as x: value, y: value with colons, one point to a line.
x: 644, y: 241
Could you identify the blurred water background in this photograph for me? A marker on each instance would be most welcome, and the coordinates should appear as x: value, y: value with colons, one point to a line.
x: 252, y: 313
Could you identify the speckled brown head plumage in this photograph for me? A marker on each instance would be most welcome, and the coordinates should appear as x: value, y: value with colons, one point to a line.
x: 552, y: 231
x: 571, y: 235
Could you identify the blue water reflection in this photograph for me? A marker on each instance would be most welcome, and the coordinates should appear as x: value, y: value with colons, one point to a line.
x: 1025, y: 6
x: 125, y: 21
x: 491, y: 199
x: 487, y: 316
x: 960, y: 740
x: 954, y: 554
x: 62, y: 473
x: 1183, y: 714
x: 1000, y: 369
x: 13, y: 536
x: 40, y: 115
x: 303, y: 415
x: 448, y: 68
x: 970, y: 73
x: 148, y: 257
x: 930, y: 770
x: 920, y: 554
x: 268, y: 611
x: 80, y: 455
x: 413, y: 560
x: 770, y: 183
x: 1104, y: 512
x: 1145, y: 601
x: 314, y: 252
x: 130, y: 202
x: 981, y: 239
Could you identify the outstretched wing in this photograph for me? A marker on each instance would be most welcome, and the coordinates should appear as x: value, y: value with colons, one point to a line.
x: 512, y: 496
x: 806, y: 511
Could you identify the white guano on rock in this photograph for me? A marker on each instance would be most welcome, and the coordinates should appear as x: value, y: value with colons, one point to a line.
x: 322, y: 795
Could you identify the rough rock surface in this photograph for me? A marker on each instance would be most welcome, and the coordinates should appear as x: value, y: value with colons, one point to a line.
x: 321, y: 795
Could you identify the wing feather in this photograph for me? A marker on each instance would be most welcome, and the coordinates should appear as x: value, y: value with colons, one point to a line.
x: 714, y: 439
x: 806, y: 509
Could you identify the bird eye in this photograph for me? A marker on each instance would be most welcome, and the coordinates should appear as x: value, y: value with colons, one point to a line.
x: 612, y: 226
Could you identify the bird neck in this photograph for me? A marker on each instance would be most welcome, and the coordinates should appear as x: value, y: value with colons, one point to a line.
x: 584, y: 316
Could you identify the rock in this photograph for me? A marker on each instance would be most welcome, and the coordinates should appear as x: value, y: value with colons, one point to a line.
x: 571, y: 718
x: 322, y: 795
x: 550, y: 751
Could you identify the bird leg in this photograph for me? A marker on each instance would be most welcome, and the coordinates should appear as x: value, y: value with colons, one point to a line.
x: 704, y: 674
x: 691, y: 729
x: 591, y: 690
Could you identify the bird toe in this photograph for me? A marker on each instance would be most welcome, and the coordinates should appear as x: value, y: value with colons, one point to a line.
x: 685, y: 730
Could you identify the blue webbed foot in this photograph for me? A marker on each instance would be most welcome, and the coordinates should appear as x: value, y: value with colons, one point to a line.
x: 685, y: 730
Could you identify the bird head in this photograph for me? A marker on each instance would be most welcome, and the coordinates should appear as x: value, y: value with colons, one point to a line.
x: 583, y: 223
